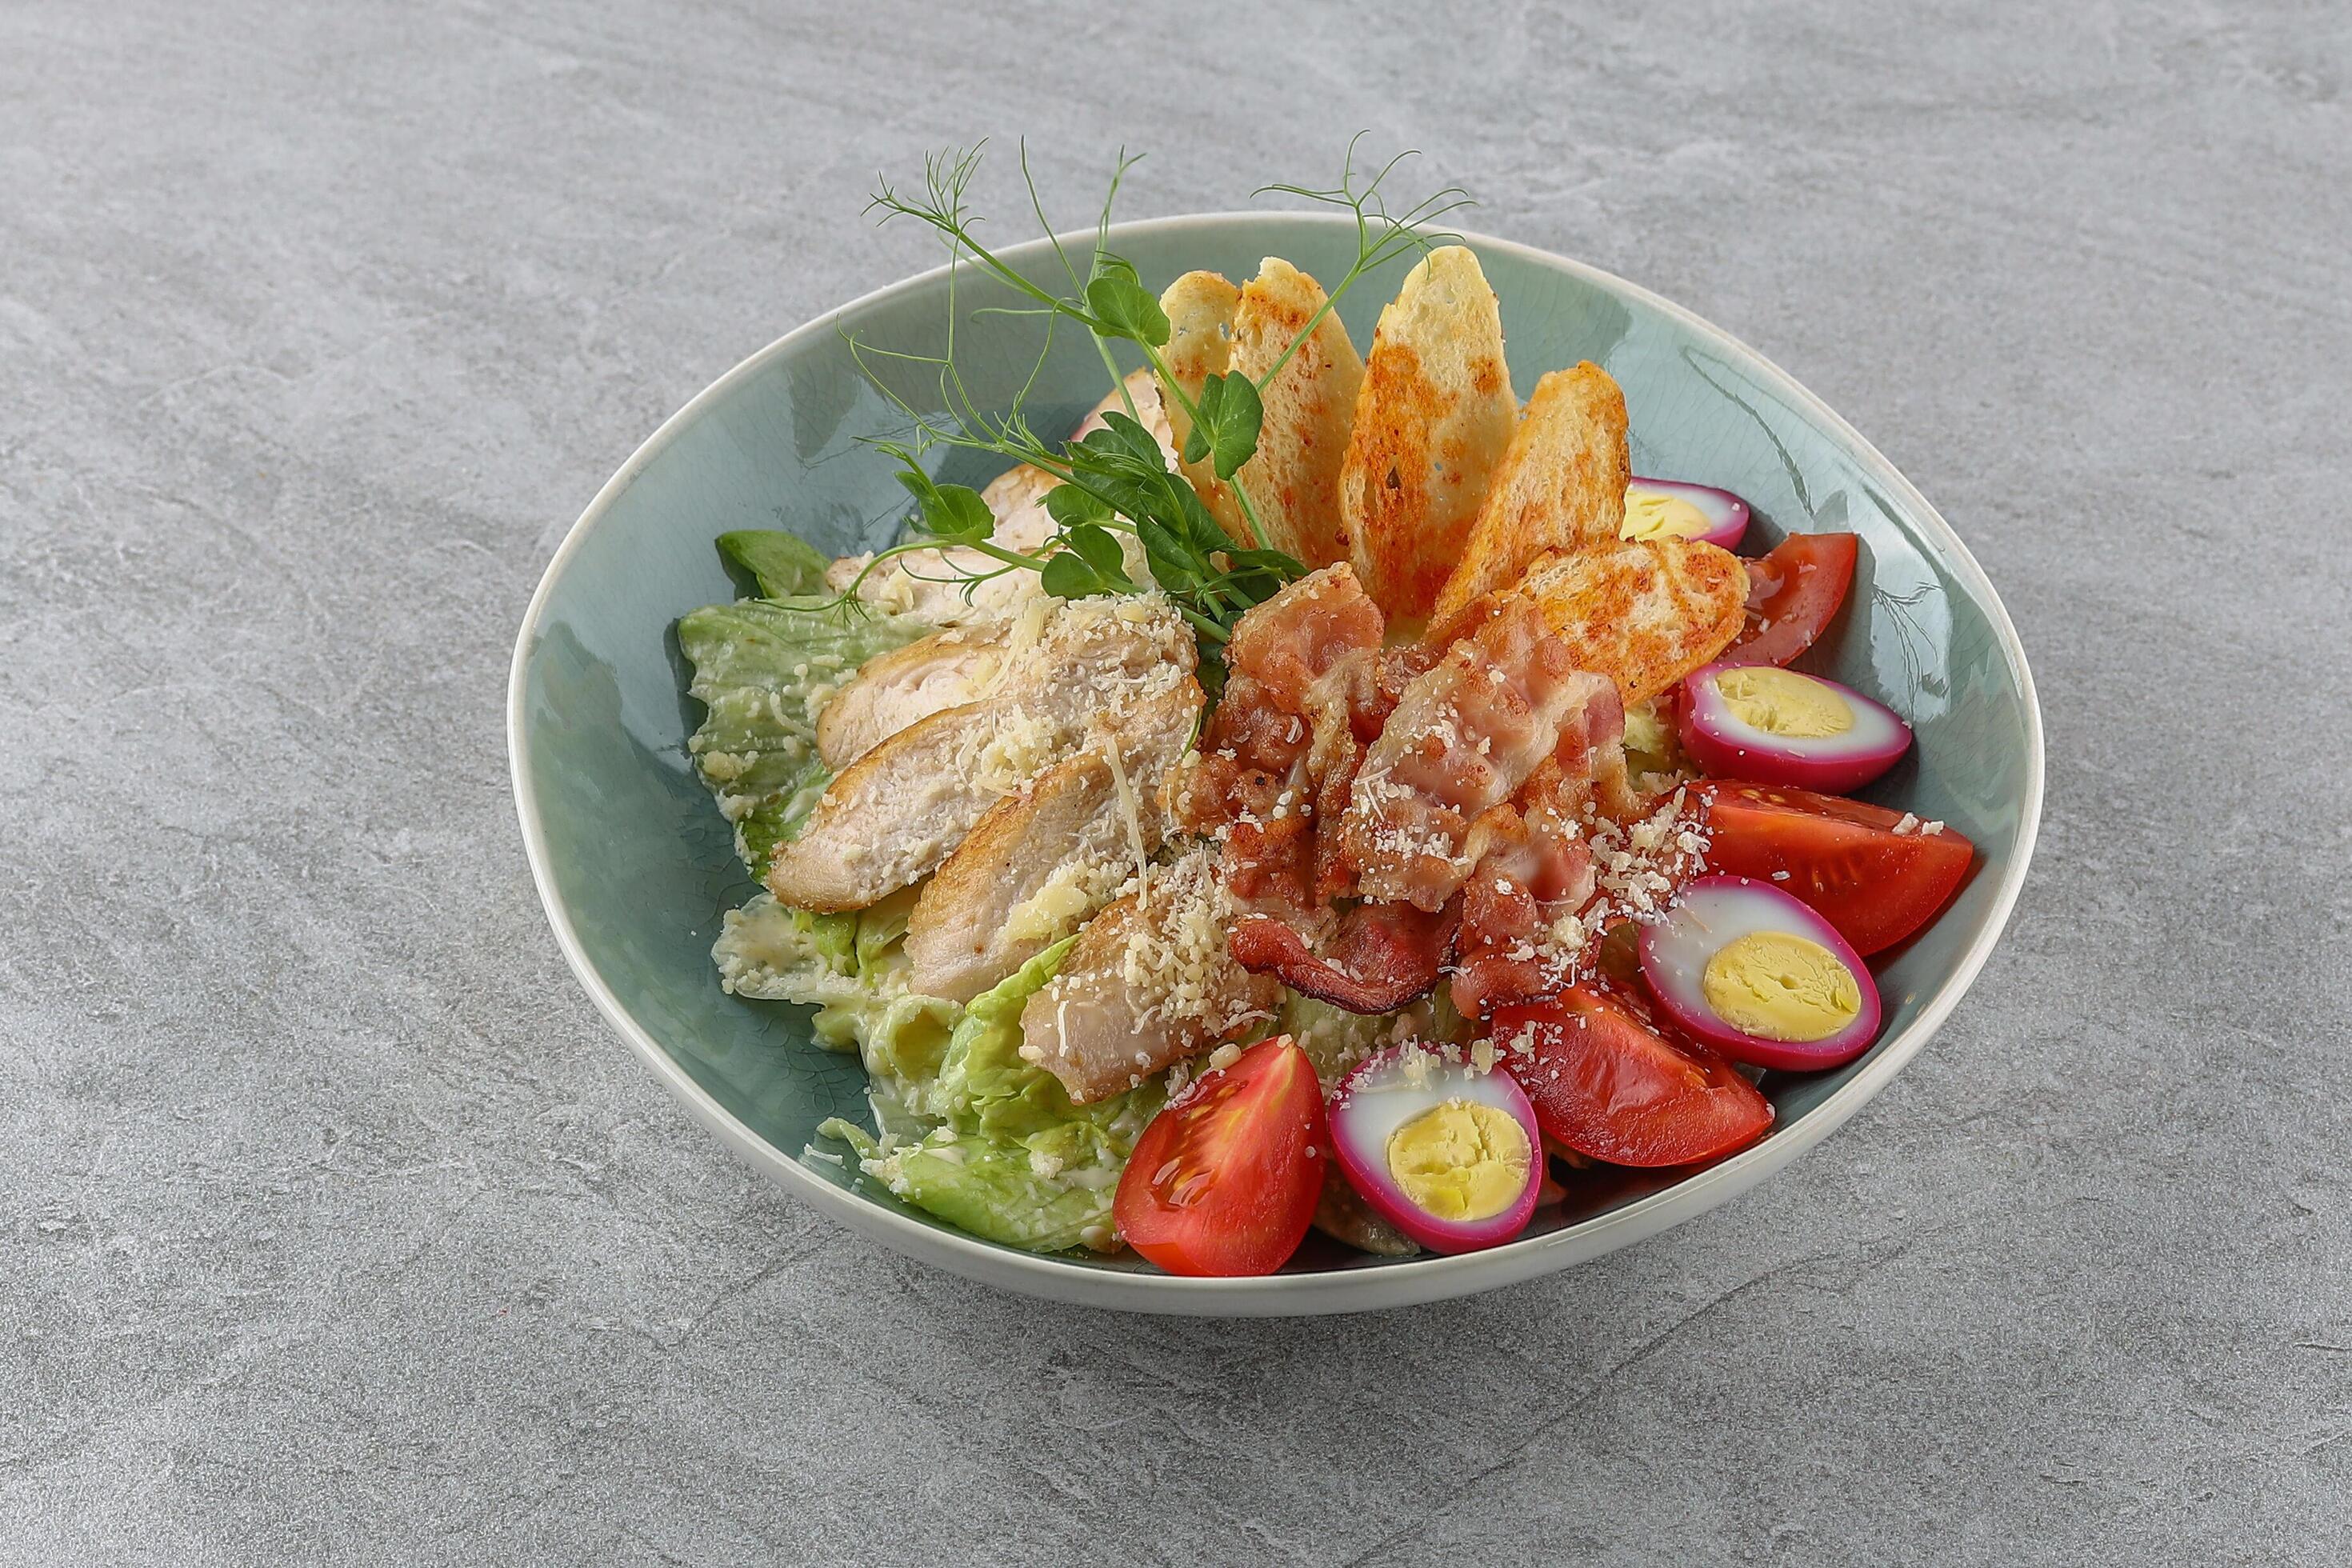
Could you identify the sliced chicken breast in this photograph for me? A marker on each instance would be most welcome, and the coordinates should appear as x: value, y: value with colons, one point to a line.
x: 1042, y: 861
x: 905, y: 806
x: 893, y: 690
x: 1147, y: 984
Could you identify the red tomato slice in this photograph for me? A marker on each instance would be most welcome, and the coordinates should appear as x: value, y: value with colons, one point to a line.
x: 1225, y: 1178
x: 1842, y: 857
x: 1609, y: 1081
x: 1792, y: 593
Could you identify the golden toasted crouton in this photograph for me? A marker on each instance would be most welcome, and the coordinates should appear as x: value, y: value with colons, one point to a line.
x: 1431, y: 424
x: 1645, y: 613
x: 1294, y: 481
x: 1560, y: 486
x: 1200, y: 307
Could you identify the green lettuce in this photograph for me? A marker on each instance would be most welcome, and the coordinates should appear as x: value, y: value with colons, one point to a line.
x: 762, y: 669
x: 1008, y: 1156
x: 971, y: 1131
x: 782, y: 564
x: 852, y: 969
x: 1336, y: 1040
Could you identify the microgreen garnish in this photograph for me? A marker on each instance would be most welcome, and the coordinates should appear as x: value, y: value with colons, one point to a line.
x: 1116, y: 481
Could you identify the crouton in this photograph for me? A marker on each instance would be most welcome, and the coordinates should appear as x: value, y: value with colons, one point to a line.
x: 1432, y: 421
x: 1200, y: 307
x: 1560, y: 486
x: 1645, y: 613
x: 1294, y: 480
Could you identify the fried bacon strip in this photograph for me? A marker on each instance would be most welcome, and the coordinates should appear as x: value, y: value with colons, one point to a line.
x: 1302, y: 694
x: 1534, y: 875
x: 1380, y: 957
x: 1464, y: 739
x: 1452, y: 787
x: 1544, y: 895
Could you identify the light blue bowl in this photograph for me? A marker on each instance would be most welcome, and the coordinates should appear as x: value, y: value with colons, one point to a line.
x: 636, y: 866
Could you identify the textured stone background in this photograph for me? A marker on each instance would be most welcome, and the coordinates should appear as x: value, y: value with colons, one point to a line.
x: 339, y: 1229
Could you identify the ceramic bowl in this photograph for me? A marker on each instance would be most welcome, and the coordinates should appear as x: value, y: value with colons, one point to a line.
x: 635, y: 865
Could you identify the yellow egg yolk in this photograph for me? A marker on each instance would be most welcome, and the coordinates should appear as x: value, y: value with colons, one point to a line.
x: 1654, y: 514
x: 1461, y: 1160
x: 1782, y: 702
x: 1777, y: 985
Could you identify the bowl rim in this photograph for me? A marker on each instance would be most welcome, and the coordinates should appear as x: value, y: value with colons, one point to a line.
x: 1408, y: 1282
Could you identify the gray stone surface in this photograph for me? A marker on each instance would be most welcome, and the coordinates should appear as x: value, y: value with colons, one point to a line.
x: 337, y: 1228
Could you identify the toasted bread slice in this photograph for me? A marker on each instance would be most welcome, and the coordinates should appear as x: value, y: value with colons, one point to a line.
x: 1560, y: 486
x: 1200, y: 307
x: 1045, y: 861
x: 1432, y: 421
x: 1294, y: 480
x: 1645, y: 613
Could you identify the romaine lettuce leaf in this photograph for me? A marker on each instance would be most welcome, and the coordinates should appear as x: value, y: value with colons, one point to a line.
x: 972, y: 1134
x: 1013, y: 1159
x: 762, y: 668
x: 851, y: 969
x: 994, y: 1191
x: 780, y: 563
x: 1336, y: 1040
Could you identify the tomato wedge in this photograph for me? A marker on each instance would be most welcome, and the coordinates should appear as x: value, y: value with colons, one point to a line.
x: 1610, y: 1081
x: 1226, y: 1177
x: 1792, y: 593
x: 1841, y: 856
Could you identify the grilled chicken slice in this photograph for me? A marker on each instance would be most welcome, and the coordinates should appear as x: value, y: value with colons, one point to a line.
x: 1430, y: 423
x: 1142, y: 390
x: 934, y: 585
x: 1561, y: 486
x: 1043, y: 860
x: 1147, y: 985
x: 905, y: 806
x: 892, y: 690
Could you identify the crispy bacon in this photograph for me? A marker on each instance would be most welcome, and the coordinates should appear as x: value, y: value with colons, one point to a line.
x: 1463, y: 739
x: 1450, y: 786
x: 1381, y: 957
x: 1292, y: 643
x: 1277, y: 758
x: 1532, y: 871
x: 1549, y: 887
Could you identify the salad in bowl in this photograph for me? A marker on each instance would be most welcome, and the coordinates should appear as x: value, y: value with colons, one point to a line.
x: 1320, y: 793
